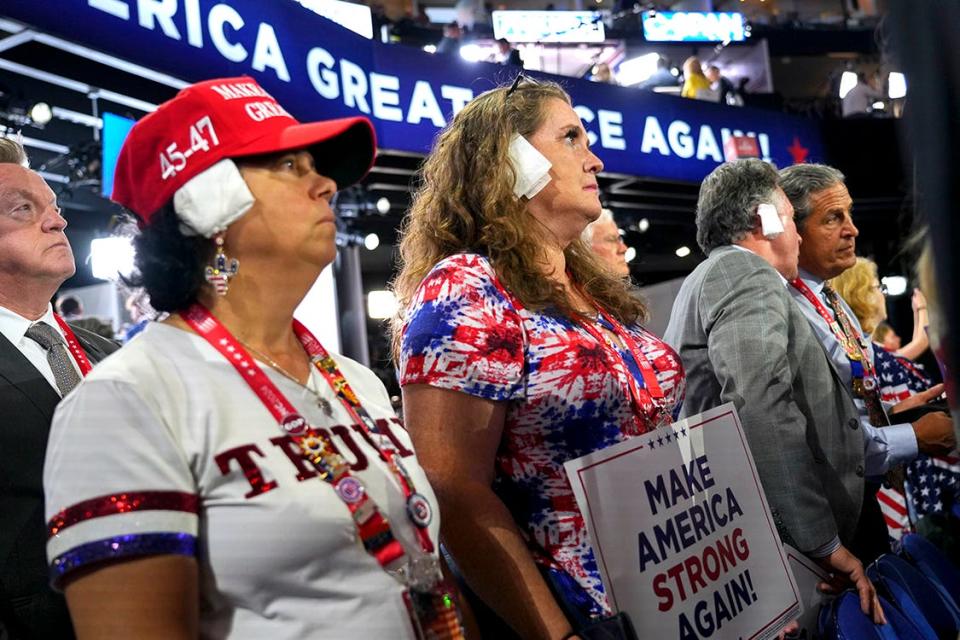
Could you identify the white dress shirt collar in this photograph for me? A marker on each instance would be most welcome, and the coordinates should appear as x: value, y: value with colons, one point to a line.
x: 14, y: 327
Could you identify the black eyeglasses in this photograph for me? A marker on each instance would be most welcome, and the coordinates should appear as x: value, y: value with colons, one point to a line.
x: 516, y: 82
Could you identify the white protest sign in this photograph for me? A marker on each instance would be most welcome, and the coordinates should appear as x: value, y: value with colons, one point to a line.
x: 682, y: 532
x: 807, y: 575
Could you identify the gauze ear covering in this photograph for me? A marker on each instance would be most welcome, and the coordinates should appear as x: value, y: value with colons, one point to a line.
x: 531, y: 167
x: 770, y: 223
x: 212, y: 199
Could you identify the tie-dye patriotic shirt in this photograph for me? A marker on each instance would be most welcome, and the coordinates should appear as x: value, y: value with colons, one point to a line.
x: 566, y: 399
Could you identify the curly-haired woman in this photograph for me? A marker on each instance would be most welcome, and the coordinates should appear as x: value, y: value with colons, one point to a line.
x: 519, y: 351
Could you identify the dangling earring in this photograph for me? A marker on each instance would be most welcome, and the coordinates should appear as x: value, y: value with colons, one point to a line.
x: 222, y: 270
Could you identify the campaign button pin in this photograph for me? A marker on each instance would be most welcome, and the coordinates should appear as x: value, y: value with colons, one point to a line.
x: 419, y: 509
x: 350, y: 490
x: 294, y: 424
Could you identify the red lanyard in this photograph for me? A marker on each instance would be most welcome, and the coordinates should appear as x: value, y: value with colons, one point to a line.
x: 78, y: 355
x: 647, y: 371
x: 418, y: 508
x: 851, y: 344
x: 650, y: 381
x: 372, y: 525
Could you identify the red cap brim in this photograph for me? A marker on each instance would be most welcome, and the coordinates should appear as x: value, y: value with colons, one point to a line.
x: 343, y: 149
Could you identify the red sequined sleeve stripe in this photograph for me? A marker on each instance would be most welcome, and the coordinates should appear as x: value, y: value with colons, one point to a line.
x: 121, y: 526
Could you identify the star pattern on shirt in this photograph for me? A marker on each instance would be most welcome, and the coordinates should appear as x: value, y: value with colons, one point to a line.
x: 932, y: 483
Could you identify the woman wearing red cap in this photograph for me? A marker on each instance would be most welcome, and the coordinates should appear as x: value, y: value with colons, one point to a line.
x: 224, y: 476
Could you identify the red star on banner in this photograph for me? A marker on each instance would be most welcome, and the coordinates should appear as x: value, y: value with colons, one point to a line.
x: 798, y: 151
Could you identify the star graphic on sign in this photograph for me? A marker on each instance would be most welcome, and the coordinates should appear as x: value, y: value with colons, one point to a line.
x: 798, y: 151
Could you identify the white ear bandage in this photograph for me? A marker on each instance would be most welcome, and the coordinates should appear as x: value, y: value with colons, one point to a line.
x: 531, y: 167
x: 212, y: 199
x: 770, y: 223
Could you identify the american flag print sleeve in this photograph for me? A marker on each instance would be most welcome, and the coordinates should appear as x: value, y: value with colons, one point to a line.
x: 462, y: 333
x: 566, y: 398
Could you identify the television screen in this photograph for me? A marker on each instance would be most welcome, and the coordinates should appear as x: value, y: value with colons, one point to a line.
x: 548, y: 26
x: 693, y: 26
x: 114, y: 132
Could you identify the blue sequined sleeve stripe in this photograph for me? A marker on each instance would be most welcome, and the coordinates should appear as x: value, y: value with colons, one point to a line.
x: 120, y: 547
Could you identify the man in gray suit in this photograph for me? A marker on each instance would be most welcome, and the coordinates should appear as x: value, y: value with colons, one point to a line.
x: 743, y: 340
x: 823, y: 214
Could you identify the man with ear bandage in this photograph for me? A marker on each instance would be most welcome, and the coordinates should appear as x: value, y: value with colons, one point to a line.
x: 518, y: 350
x: 743, y: 340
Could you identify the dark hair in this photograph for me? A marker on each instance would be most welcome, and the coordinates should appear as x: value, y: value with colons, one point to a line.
x: 800, y: 181
x: 68, y: 305
x: 729, y: 196
x: 169, y: 263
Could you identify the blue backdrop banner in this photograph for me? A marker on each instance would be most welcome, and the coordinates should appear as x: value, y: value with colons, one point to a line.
x: 318, y: 69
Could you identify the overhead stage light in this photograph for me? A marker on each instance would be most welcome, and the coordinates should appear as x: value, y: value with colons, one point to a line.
x: 476, y: 53
x: 111, y: 258
x: 636, y: 70
x: 896, y: 85
x: 847, y: 81
x: 682, y: 251
x: 381, y: 304
x: 896, y: 285
x: 41, y: 113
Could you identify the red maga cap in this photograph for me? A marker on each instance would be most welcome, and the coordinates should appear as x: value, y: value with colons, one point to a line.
x: 229, y: 118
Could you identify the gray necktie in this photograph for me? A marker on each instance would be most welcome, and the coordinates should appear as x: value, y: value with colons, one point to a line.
x: 63, y: 371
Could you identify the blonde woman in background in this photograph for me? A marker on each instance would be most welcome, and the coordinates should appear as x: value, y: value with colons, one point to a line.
x: 860, y: 287
x: 695, y: 82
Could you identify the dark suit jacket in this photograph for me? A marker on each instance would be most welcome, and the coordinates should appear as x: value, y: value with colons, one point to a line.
x: 742, y: 339
x: 29, y: 608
